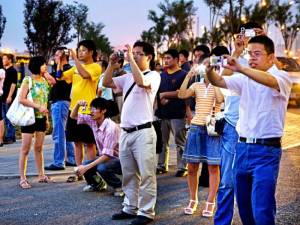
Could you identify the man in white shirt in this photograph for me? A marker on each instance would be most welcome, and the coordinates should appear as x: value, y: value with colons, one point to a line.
x: 138, y: 137
x: 264, y: 92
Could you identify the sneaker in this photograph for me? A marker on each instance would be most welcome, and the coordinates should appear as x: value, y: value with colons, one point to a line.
x: 181, y: 173
x: 88, y: 188
x: 70, y: 164
x: 118, y: 192
x: 161, y: 170
x: 53, y: 167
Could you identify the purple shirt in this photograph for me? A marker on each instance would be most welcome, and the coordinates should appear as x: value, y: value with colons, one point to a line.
x: 106, y: 136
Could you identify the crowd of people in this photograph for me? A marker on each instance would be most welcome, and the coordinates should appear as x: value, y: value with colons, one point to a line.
x: 114, y: 122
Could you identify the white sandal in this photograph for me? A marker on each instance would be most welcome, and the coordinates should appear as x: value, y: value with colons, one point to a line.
x: 190, y: 210
x: 206, y: 212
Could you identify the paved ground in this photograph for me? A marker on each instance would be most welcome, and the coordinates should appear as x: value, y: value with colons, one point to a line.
x: 63, y: 203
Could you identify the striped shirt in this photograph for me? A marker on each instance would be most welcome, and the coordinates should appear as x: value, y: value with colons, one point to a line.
x: 106, y: 136
x: 205, y: 97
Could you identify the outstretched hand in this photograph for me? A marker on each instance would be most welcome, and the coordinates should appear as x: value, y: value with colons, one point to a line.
x: 232, y: 64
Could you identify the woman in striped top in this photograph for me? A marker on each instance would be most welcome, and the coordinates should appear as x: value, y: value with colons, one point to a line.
x: 200, y: 147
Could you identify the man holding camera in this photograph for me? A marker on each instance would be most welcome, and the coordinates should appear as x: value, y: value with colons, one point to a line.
x: 84, y: 77
x: 264, y: 92
x: 60, y: 103
x: 138, y: 138
x: 229, y: 138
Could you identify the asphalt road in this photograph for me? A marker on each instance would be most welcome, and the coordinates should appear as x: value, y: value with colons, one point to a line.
x: 65, y: 203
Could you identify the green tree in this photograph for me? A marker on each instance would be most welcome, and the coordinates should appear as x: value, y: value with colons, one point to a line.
x: 258, y: 13
x: 79, y: 14
x: 93, y: 31
x: 215, y: 7
x: 47, y: 24
x: 2, y: 23
x: 287, y: 21
x: 178, y: 15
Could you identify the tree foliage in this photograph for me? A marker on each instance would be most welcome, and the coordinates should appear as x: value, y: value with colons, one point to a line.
x: 93, y: 31
x: 47, y: 24
x: 2, y: 23
x: 79, y: 14
x: 174, y: 25
x: 287, y: 21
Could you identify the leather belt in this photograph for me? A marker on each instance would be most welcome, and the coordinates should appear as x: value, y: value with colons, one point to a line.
x: 275, y: 142
x: 139, y: 127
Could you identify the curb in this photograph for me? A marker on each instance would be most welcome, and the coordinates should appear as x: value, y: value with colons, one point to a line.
x: 14, y: 176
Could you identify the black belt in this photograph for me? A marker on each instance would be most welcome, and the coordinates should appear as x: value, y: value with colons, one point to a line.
x: 139, y: 127
x: 275, y: 142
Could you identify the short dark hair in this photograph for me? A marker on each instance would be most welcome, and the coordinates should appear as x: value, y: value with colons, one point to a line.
x: 202, y: 48
x: 250, y: 25
x: 219, y: 51
x: 9, y: 56
x: 104, y: 63
x: 265, y: 41
x: 1, y: 64
x: 121, y: 61
x: 35, y: 64
x: 184, y: 52
x: 62, y: 48
x: 172, y: 52
x: 110, y: 106
x: 148, y: 49
x: 90, y: 45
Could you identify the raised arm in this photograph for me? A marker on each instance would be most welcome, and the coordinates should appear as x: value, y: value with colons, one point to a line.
x: 185, y: 92
x: 138, y: 76
x: 81, y: 70
x: 74, y: 113
x: 108, y: 74
x: 259, y: 76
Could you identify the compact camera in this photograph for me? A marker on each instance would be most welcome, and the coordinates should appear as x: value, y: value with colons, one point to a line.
x: 250, y: 33
x: 217, y: 61
x: 66, y: 52
x: 120, y: 54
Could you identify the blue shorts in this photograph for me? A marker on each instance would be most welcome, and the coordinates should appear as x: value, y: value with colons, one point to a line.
x: 200, y: 147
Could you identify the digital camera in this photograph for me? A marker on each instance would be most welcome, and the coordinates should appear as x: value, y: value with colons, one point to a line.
x: 120, y: 54
x: 250, y: 33
x: 66, y: 51
x: 217, y: 61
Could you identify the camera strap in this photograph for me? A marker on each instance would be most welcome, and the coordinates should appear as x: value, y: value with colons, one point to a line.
x: 130, y: 89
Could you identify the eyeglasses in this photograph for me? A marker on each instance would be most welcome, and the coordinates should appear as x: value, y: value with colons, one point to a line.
x: 255, y: 54
x: 138, y: 54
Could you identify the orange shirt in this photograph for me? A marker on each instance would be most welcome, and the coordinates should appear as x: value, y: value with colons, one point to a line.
x: 205, y: 97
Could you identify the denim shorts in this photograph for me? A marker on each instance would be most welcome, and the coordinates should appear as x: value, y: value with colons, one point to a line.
x: 200, y: 147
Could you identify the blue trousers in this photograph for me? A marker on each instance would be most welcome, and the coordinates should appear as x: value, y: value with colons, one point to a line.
x: 225, y: 198
x: 59, y: 112
x: 10, y: 133
x: 255, y: 173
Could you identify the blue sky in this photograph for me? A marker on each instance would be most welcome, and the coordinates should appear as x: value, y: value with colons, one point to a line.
x: 124, y: 20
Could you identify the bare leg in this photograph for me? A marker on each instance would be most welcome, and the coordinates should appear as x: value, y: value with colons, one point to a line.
x: 38, y: 153
x: 91, y: 151
x: 26, y: 144
x: 192, y: 178
x: 214, y: 180
x: 1, y: 130
x: 78, y: 153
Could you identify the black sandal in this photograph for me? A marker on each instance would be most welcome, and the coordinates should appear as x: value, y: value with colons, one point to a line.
x: 73, y: 178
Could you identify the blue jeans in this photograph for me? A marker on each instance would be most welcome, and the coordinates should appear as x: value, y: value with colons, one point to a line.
x: 59, y: 112
x: 108, y: 171
x: 255, y: 174
x: 225, y: 199
x: 10, y: 133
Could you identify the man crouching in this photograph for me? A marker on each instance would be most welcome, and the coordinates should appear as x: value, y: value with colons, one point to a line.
x: 106, y: 133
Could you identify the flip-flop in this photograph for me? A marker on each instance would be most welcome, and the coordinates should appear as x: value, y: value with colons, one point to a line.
x: 75, y: 178
x: 45, y: 179
x: 24, y: 184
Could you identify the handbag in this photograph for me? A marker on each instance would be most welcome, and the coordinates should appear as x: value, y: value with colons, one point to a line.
x: 211, y: 120
x: 19, y: 114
